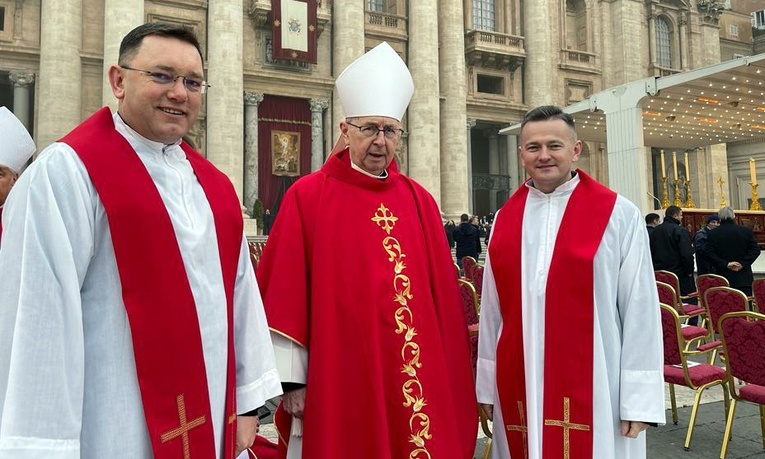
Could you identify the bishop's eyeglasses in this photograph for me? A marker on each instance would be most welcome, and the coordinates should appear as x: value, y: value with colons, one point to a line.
x: 191, y: 84
x: 372, y: 131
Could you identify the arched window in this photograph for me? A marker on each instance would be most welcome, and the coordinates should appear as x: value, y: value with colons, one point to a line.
x: 576, y: 25
x: 663, y: 42
x: 484, y: 15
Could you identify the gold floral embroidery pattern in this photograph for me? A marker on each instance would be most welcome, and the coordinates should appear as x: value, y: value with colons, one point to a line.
x: 414, y: 397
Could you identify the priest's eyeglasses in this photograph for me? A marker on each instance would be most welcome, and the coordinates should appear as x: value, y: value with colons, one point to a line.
x: 372, y: 131
x: 191, y: 84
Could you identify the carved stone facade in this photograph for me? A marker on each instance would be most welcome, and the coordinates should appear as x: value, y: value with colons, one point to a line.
x: 485, y: 61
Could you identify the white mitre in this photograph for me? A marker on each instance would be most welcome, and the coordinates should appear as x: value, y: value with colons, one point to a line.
x: 16, y: 146
x: 376, y: 84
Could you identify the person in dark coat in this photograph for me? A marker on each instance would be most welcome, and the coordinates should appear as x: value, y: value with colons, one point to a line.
x: 467, y: 239
x: 701, y: 246
x: 268, y: 220
x: 651, y: 222
x: 671, y: 249
x: 449, y: 227
x: 733, y: 250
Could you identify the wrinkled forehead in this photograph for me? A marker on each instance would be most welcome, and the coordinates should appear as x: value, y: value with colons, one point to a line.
x: 379, y: 121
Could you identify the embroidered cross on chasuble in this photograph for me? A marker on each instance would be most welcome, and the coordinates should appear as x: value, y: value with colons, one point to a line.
x: 569, y: 299
x: 155, y: 289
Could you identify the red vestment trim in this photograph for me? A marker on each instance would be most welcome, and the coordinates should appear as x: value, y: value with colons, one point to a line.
x: 569, y: 318
x: 155, y: 289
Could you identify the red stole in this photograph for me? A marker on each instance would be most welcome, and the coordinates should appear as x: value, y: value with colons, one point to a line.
x: 569, y: 317
x: 155, y: 289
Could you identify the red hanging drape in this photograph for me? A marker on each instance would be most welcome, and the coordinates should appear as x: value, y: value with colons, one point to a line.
x: 287, y: 114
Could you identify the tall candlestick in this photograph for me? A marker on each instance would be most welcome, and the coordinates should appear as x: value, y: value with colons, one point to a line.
x: 752, y: 171
x: 674, y: 163
x: 687, y: 173
x: 663, y: 167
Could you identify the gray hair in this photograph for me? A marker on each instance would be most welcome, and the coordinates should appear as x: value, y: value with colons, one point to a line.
x: 726, y: 213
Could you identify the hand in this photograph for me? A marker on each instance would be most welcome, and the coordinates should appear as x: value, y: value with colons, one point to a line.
x: 488, y: 409
x: 294, y: 402
x: 246, y: 429
x: 631, y: 429
x: 735, y: 266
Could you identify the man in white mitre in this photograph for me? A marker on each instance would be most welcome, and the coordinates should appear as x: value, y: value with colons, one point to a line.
x: 570, y: 353
x: 16, y: 147
x: 371, y: 342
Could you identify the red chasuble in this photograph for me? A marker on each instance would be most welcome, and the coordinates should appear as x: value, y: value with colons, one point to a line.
x: 155, y: 289
x: 358, y: 271
x: 569, y: 316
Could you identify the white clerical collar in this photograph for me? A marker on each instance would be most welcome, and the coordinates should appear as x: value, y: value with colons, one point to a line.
x: 565, y: 187
x: 383, y: 175
x: 128, y: 132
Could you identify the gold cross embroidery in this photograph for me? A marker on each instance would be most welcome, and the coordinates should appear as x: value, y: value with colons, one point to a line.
x: 385, y: 218
x: 567, y: 426
x: 183, y: 429
x: 523, y: 429
x: 232, y: 418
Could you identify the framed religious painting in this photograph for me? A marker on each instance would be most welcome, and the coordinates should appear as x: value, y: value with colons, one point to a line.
x: 285, y: 153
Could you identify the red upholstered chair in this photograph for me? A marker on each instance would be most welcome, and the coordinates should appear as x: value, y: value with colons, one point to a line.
x: 682, y: 307
x: 677, y: 369
x: 470, y: 307
x: 477, y: 279
x: 706, y: 281
x: 758, y: 291
x: 467, y: 266
x: 667, y: 296
x: 457, y: 268
x: 743, y: 337
x: 720, y: 301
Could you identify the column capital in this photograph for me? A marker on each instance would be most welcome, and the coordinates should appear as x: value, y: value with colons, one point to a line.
x: 471, y: 122
x: 319, y: 105
x: 21, y: 79
x: 252, y: 98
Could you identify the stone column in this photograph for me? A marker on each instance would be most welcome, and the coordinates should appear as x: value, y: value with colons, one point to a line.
x: 493, y: 168
x: 683, y: 42
x: 453, y: 108
x: 317, y: 132
x: 652, y: 38
x: 21, y: 82
x: 225, y: 117
x: 471, y: 198
x: 348, y: 44
x: 542, y: 51
x: 121, y: 17
x: 424, y: 117
x: 60, y: 77
x: 251, y: 101
x: 512, y: 162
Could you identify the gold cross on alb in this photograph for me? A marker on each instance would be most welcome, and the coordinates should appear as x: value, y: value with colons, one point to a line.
x: 523, y: 429
x: 567, y: 426
x: 385, y: 218
x: 183, y: 429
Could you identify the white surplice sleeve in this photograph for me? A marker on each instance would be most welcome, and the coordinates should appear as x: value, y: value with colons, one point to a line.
x: 257, y: 379
x: 641, y: 393
x: 46, y: 250
x: 291, y: 359
x: 489, y: 329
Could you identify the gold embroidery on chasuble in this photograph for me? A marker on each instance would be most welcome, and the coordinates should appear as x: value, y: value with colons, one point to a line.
x: 522, y: 428
x: 183, y: 429
x: 567, y: 426
x: 412, y: 390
